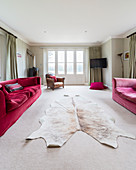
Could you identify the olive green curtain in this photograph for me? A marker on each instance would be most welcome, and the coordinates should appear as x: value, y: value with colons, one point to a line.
x: 11, y: 63
x: 132, y: 58
x: 95, y: 73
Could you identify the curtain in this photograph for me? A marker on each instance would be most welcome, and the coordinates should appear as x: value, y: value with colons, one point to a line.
x: 11, y: 64
x: 95, y: 73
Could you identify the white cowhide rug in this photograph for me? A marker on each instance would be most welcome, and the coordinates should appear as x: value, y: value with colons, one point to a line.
x: 71, y: 114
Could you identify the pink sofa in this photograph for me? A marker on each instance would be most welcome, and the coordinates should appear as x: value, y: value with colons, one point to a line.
x: 13, y: 104
x: 124, y: 92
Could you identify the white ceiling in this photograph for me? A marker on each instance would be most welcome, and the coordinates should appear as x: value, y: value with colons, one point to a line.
x: 65, y: 21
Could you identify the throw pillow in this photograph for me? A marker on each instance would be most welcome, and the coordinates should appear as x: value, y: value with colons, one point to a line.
x: 27, y: 81
x: 13, y: 87
x: 54, y: 77
x: 97, y: 86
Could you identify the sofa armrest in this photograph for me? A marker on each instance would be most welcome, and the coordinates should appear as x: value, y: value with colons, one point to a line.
x: 2, y: 104
x: 123, y: 82
x: 50, y: 81
x: 38, y: 80
x: 60, y: 79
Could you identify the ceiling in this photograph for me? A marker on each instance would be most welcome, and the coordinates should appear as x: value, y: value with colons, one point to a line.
x: 68, y: 21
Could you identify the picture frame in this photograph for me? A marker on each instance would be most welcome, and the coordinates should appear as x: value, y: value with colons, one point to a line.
x: 126, y: 55
x: 19, y: 55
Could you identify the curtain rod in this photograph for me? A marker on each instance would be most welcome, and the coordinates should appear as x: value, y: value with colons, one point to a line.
x: 131, y: 34
x: 7, y: 32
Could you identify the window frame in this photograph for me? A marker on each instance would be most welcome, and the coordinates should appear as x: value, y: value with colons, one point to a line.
x: 77, y: 62
x: 51, y: 62
x: 61, y: 62
x: 65, y: 60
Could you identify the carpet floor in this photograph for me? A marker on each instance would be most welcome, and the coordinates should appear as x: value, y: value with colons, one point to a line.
x: 81, y: 152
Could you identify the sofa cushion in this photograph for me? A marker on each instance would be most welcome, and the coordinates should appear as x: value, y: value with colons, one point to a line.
x: 36, y: 88
x: 134, y: 87
x: 27, y: 81
x: 13, y: 87
x: 32, y: 89
x: 15, y: 101
x: 26, y: 92
x: 97, y: 86
x: 127, y: 93
x: 121, y: 90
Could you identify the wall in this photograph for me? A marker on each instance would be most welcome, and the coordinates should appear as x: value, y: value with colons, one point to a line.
x: 22, y: 62
x: 116, y: 48
x: 110, y: 49
x: 38, y: 52
x: 107, y: 72
x: 3, y: 54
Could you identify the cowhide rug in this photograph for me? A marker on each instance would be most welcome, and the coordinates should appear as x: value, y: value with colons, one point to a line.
x: 71, y: 114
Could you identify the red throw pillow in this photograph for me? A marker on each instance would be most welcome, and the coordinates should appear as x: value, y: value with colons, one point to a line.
x: 54, y: 77
x: 97, y: 86
x: 28, y: 82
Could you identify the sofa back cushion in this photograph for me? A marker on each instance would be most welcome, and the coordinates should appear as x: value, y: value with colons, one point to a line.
x: 13, y: 87
x: 13, y: 81
x: 27, y: 81
x: 125, y: 82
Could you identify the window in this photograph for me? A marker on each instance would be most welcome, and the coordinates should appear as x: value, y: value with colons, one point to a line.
x: 61, y: 62
x: 70, y: 62
x: 66, y: 62
x: 51, y: 62
x: 79, y: 62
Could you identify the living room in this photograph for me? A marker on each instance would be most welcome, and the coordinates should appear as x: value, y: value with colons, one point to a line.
x: 63, y: 38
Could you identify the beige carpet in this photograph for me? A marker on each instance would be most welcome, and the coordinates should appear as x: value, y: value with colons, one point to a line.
x: 70, y: 114
x: 86, y: 154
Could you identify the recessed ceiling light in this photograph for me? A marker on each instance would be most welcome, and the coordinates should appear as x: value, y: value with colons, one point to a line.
x: 85, y: 31
x: 45, y: 31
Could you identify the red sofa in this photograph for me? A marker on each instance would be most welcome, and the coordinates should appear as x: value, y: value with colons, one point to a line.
x: 13, y: 104
x: 124, y: 92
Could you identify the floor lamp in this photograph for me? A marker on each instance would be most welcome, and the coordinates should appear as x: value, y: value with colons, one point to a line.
x: 122, y: 64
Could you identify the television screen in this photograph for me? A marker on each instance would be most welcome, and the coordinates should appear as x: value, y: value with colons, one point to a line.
x: 98, y: 63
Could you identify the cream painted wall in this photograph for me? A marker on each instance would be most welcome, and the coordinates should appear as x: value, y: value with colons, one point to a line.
x: 22, y: 62
x: 110, y: 49
x: 107, y: 72
x: 38, y: 52
x: 3, y: 54
x: 117, y: 47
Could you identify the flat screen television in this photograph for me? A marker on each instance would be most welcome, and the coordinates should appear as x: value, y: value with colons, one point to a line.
x: 98, y: 63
